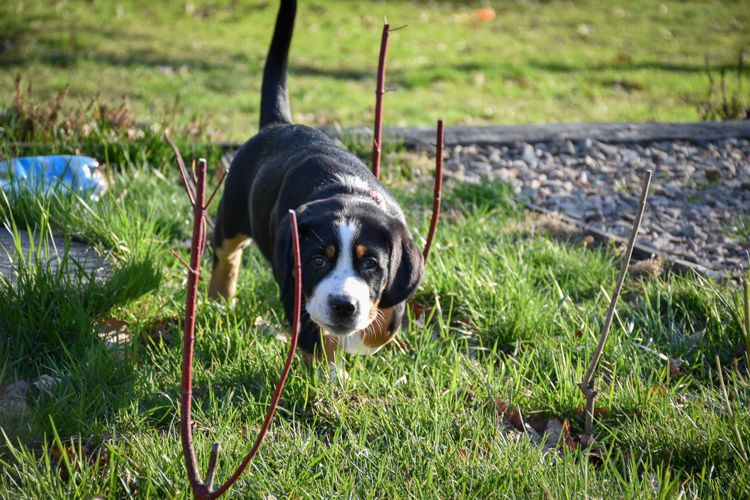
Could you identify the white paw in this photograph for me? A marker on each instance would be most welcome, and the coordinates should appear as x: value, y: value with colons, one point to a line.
x: 336, y: 374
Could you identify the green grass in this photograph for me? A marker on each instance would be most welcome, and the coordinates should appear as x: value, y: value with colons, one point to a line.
x: 506, y: 304
x: 536, y: 62
x: 514, y: 314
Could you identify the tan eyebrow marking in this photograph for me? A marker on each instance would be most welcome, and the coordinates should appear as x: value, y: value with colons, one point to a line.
x: 330, y: 251
x: 360, y: 250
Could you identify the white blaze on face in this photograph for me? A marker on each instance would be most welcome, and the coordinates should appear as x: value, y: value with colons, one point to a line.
x: 343, y: 281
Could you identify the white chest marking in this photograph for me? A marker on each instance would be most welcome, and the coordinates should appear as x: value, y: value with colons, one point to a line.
x: 353, y: 344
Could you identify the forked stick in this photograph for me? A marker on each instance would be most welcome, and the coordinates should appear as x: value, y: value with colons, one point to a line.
x: 200, y: 488
x: 587, y: 385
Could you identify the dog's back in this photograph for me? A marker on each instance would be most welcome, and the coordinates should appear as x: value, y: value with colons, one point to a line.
x: 357, y: 253
x: 281, y: 153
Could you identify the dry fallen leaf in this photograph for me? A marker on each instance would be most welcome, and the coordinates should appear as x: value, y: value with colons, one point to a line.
x: 588, y: 241
x: 163, y: 331
x: 485, y: 14
x: 114, y: 332
x: 267, y: 328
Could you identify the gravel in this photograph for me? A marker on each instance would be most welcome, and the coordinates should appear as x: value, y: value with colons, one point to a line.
x: 699, y: 205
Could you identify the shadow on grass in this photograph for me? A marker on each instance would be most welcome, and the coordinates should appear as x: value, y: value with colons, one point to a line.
x: 49, y: 310
x: 47, y: 328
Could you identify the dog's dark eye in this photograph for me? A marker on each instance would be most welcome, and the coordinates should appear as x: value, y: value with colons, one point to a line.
x: 369, y: 263
x: 318, y: 261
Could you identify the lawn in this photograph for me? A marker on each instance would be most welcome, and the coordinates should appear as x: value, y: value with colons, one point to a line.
x: 513, y: 309
x: 535, y: 62
x: 513, y: 319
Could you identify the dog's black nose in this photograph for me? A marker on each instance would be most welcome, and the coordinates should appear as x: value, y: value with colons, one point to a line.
x: 343, y: 307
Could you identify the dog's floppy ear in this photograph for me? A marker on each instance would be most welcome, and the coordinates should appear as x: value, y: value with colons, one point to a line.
x: 282, y: 256
x: 406, y: 269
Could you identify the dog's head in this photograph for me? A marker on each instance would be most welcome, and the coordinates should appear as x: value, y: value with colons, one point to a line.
x: 355, y: 259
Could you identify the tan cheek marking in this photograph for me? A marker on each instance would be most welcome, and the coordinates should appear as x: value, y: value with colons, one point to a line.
x: 330, y: 251
x: 225, y: 272
x: 377, y: 334
x: 360, y: 250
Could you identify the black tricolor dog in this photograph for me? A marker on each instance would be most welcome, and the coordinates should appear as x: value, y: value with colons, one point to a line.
x: 359, y: 263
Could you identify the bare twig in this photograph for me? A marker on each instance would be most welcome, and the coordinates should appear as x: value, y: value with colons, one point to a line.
x: 200, y: 488
x: 182, y: 261
x: 181, y: 165
x: 438, y: 190
x: 285, y: 371
x: 213, y: 461
x: 587, y: 385
x: 377, y: 132
x: 216, y: 189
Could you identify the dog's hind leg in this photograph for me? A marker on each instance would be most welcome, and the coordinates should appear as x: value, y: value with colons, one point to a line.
x: 227, y: 243
x: 226, y: 269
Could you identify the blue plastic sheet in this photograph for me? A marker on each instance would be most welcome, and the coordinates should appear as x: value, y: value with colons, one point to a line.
x: 52, y: 173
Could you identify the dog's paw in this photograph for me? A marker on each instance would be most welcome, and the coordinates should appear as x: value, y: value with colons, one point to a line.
x: 336, y: 374
x: 223, y: 306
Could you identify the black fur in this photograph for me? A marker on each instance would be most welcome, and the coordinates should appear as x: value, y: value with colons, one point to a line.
x: 287, y: 166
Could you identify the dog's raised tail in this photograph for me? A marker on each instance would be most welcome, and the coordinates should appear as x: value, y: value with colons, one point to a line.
x: 274, y: 101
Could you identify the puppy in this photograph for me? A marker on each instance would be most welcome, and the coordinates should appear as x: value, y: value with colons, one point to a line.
x: 359, y: 263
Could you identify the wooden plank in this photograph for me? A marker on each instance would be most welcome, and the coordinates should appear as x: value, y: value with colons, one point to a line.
x: 422, y: 137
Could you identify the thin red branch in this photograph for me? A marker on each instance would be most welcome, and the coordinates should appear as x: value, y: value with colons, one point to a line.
x: 438, y: 190
x: 188, y: 335
x: 204, y: 489
x: 290, y: 357
x: 181, y: 165
x: 377, y: 132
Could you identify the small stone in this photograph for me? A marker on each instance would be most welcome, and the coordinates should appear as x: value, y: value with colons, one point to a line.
x: 480, y: 168
x: 629, y: 157
x: 454, y: 165
x: 608, y: 149
x: 594, y: 215
x: 528, y: 154
x: 688, y: 230
x: 13, y: 400
x: 568, y: 148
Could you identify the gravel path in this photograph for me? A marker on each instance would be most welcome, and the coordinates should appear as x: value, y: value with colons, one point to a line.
x: 84, y: 260
x: 699, y: 207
